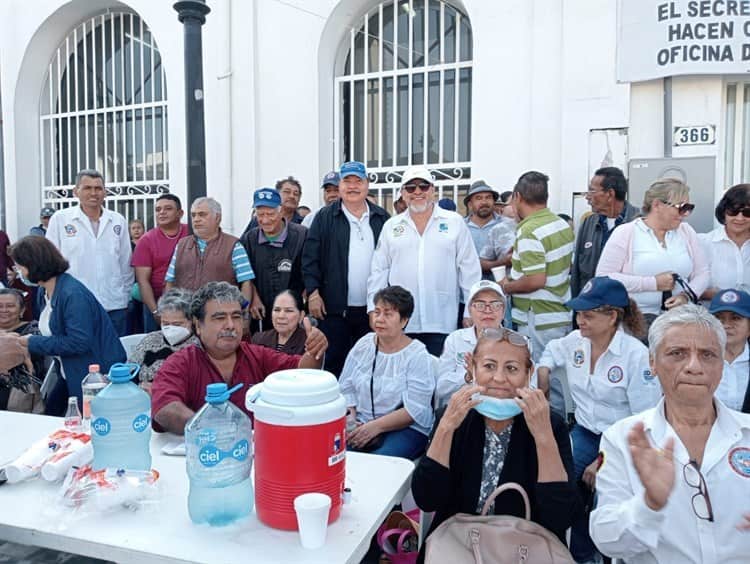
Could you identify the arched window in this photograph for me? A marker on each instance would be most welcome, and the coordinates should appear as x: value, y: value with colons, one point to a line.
x: 104, y: 106
x: 403, y: 95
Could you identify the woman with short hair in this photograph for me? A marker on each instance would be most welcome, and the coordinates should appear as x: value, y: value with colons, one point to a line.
x: 507, y: 434
x: 176, y: 333
x: 287, y: 334
x: 388, y: 381
x: 651, y: 253
x: 19, y: 387
x: 727, y: 248
x: 75, y: 328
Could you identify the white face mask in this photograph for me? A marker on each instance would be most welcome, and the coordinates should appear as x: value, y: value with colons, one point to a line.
x: 175, y: 334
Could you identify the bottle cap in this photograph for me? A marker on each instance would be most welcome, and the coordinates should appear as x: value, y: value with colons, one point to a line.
x: 122, y: 372
x: 94, y: 368
x: 218, y: 393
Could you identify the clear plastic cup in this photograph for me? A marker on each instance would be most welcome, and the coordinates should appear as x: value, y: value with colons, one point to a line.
x: 312, y: 518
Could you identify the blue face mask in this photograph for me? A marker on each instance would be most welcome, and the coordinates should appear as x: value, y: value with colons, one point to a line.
x: 497, y: 409
x: 25, y: 280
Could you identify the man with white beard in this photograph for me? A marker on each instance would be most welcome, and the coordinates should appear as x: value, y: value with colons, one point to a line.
x: 428, y: 251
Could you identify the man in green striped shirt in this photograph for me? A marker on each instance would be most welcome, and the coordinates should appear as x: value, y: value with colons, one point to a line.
x: 539, y: 280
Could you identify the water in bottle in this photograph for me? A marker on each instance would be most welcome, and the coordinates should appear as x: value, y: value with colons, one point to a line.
x: 92, y: 384
x: 121, y: 422
x: 72, y: 419
x: 218, y: 445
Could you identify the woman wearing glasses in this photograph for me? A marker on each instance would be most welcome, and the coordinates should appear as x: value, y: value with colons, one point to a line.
x: 646, y: 253
x: 486, y: 306
x: 506, y: 434
x: 674, y: 482
x: 388, y: 381
x: 607, y: 370
x: 727, y: 247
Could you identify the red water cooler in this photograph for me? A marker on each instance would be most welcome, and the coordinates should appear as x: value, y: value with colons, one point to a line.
x: 300, y: 447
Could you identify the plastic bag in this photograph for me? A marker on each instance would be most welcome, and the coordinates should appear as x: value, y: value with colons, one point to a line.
x: 99, y: 491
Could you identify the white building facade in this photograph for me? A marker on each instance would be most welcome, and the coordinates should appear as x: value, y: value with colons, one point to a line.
x: 474, y: 88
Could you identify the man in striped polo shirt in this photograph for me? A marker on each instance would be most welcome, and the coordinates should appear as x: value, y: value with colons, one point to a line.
x: 540, y: 268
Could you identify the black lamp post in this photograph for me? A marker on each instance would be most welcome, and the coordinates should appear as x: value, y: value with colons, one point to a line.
x: 192, y: 14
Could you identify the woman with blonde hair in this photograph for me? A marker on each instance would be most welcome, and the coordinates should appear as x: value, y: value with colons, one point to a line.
x: 658, y: 257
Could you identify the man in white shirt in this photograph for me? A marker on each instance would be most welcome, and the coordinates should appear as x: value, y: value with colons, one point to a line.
x: 430, y: 252
x: 674, y: 481
x: 96, y: 243
x: 336, y: 263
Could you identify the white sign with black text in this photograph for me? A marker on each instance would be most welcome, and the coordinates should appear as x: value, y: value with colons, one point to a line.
x: 668, y: 38
x: 694, y: 135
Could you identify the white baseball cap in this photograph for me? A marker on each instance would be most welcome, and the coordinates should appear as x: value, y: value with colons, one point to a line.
x: 485, y: 285
x: 418, y: 171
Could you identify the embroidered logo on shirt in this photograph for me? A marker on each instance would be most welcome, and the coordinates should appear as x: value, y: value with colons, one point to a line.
x: 739, y: 460
x: 648, y: 376
x: 398, y: 230
x: 615, y: 374
x: 70, y: 230
x: 459, y: 359
x: 578, y: 358
x: 443, y: 228
x: 117, y: 229
x: 587, y: 287
x: 285, y: 265
x: 588, y: 245
x: 729, y: 297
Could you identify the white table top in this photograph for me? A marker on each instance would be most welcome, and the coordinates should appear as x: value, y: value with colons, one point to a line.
x: 167, y: 534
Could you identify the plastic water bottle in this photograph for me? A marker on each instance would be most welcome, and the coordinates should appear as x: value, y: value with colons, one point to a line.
x: 121, y: 422
x: 218, y: 445
x: 92, y: 384
x: 72, y: 419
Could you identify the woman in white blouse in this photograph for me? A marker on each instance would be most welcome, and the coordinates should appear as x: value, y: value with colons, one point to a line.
x: 727, y: 248
x: 646, y: 253
x: 608, y: 372
x: 388, y: 381
x: 732, y: 308
x: 486, y: 306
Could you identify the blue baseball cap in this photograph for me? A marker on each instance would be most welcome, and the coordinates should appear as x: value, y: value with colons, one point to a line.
x: 598, y: 292
x: 447, y: 204
x: 353, y: 167
x: 330, y: 178
x: 266, y: 197
x: 735, y: 301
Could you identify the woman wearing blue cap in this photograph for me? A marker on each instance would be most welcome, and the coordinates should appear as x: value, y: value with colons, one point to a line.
x: 732, y: 309
x: 607, y: 369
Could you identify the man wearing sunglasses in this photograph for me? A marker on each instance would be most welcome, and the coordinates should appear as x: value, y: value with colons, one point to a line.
x: 674, y: 481
x: 428, y: 251
x: 607, y: 197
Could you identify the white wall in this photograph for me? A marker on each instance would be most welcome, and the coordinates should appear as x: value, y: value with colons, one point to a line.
x: 543, y: 77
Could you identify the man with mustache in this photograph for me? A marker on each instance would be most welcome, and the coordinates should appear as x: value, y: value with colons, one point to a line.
x: 179, y: 386
x: 428, y: 251
x: 480, y: 203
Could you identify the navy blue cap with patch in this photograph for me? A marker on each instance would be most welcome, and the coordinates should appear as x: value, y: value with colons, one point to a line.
x: 330, y: 178
x: 598, y: 292
x: 735, y: 301
x: 266, y: 197
x: 353, y: 167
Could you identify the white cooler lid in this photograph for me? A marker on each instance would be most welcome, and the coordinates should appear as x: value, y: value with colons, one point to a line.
x: 300, y: 387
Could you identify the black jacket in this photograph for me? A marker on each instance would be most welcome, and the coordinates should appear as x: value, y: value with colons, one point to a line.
x: 325, y: 258
x: 276, y: 268
x: 589, y: 248
x: 448, y: 491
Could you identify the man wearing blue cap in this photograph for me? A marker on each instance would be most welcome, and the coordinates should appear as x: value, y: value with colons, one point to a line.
x: 330, y: 187
x: 336, y: 263
x: 275, y: 251
x: 290, y: 190
x: 732, y: 309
